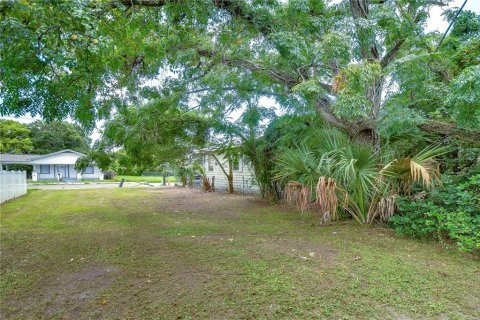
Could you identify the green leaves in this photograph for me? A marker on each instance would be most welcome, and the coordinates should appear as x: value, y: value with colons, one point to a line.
x: 352, y: 83
x: 361, y: 175
x: 91, y: 59
x: 56, y: 136
x: 310, y: 88
x: 157, y: 132
x: 14, y: 137
x: 336, y: 46
x: 353, y: 166
x: 464, y: 97
x: 452, y: 212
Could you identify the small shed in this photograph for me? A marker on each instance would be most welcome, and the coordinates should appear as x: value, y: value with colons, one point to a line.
x: 243, y: 176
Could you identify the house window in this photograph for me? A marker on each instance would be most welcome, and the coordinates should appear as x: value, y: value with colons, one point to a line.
x: 210, y: 163
x: 88, y: 170
x: 45, y: 169
x: 236, y: 164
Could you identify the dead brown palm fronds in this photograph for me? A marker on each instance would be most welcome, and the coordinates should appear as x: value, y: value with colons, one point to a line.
x: 304, y: 202
x: 418, y: 168
x: 298, y: 194
x: 327, y: 200
x: 386, y: 207
x: 425, y: 172
x: 381, y: 209
x: 207, y: 186
x: 410, y: 170
x: 291, y: 192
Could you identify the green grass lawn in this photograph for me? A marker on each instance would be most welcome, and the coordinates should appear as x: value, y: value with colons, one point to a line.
x: 179, y: 254
x: 118, y: 178
x: 144, y: 178
x: 41, y: 182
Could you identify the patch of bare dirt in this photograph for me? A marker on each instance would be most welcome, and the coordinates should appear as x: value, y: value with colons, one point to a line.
x: 175, y: 284
x: 70, y: 293
x: 301, y: 249
x: 397, y: 315
x: 216, y: 204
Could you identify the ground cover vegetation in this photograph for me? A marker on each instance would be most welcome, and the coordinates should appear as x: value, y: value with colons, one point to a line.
x: 176, y: 253
x: 374, y: 107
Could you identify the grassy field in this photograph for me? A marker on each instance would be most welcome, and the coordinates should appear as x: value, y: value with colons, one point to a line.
x: 117, y: 179
x: 42, y: 182
x: 179, y: 254
x: 144, y: 178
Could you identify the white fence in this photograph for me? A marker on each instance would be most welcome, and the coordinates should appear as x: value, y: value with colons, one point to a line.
x: 13, y: 184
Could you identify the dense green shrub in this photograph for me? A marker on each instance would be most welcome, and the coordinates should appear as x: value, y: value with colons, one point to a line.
x: 450, y: 212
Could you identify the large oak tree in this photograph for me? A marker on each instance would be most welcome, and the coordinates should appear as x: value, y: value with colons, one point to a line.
x: 86, y: 59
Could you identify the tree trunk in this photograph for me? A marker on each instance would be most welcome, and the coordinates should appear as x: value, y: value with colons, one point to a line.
x: 184, y: 181
x: 230, y: 176
x: 164, y: 180
x: 374, y: 95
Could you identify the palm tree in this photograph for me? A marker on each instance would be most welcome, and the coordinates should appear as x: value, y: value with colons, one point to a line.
x: 364, y: 182
x: 166, y: 170
x: 186, y: 174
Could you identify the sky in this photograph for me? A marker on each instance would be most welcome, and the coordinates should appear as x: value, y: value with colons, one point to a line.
x: 434, y: 23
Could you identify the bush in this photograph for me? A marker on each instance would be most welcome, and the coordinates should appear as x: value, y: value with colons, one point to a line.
x: 451, y: 212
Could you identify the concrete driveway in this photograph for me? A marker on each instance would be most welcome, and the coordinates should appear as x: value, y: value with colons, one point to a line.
x: 104, y: 185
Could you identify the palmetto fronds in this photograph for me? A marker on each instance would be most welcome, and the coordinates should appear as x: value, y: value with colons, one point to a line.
x: 327, y: 200
x: 300, y: 164
x: 298, y: 194
x: 335, y: 171
x: 417, y: 168
x: 381, y: 209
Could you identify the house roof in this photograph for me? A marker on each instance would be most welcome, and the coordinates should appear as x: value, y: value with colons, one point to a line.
x: 5, y: 157
x: 25, y: 158
x: 57, y: 152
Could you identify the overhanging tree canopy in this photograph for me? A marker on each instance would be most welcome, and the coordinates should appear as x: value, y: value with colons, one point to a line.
x: 89, y: 58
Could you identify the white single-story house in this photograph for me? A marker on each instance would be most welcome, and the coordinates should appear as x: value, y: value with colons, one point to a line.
x: 58, y: 165
x: 243, y: 177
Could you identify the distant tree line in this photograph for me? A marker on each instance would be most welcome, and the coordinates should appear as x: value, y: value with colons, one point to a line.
x: 40, y: 137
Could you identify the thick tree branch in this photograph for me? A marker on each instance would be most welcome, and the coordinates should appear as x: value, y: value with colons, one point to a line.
x: 323, y: 108
x: 146, y: 3
x: 390, y: 55
x: 449, y: 129
x: 360, y: 10
x: 278, y: 75
x: 323, y: 104
x: 235, y: 8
